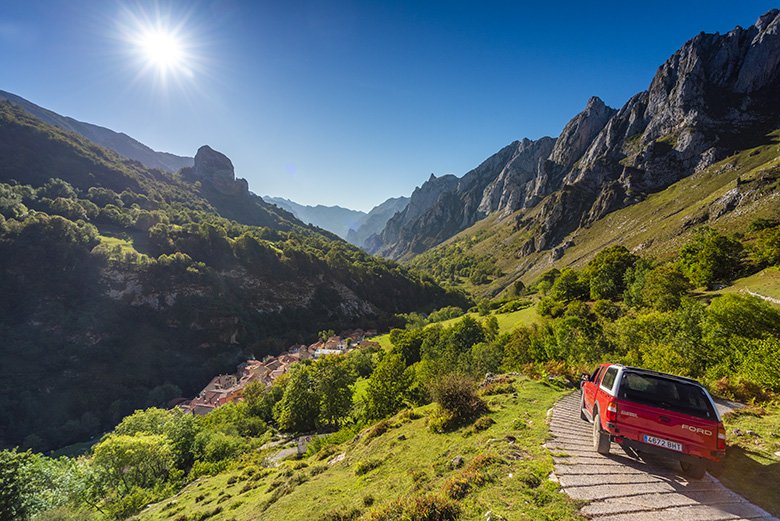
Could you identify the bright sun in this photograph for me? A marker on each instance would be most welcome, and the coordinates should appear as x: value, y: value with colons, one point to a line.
x: 162, y: 49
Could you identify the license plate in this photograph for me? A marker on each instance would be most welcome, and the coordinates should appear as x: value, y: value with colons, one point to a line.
x: 660, y: 442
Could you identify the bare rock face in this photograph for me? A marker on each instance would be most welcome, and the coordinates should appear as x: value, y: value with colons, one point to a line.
x: 716, y: 95
x: 216, y: 169
x: 517, y: 176
x: 516, y: 185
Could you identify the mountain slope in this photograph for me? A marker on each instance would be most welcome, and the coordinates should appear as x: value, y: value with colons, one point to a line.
x: 728, y: 196
x: 504, y: 470
x: 335, y: 219
x: 375, y: 220
x: 144, y: 284
x: 712, y: 98
x: 116, y: 141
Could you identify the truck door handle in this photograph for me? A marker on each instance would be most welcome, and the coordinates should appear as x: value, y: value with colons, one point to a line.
x: 665, y: 419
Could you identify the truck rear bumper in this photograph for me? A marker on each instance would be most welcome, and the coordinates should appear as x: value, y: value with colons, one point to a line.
x: 646, y: 448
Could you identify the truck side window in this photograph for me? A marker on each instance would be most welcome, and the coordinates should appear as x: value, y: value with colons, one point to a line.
x: 609, y: 378
x: 595, y: 374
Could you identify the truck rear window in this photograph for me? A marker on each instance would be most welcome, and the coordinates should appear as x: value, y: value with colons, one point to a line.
x: 665, y: 393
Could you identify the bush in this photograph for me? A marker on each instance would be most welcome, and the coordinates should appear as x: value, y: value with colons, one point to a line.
x: 445, y: 314
x: 429, y: 507
x: 710, y: 258
x: 483, y: 423
x: 513, y: 305
x: 457, y: 397
x: 363, y: 467
x: 378, y: 429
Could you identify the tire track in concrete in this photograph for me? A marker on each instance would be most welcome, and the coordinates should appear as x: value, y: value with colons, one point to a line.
x: 622, y: 488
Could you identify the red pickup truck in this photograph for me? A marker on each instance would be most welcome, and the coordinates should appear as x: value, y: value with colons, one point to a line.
x: 653, y: 412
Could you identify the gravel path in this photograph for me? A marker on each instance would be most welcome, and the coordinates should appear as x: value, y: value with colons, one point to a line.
x: 621, y: 488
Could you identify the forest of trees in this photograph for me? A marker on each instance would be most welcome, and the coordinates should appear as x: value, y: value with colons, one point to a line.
x: 133, y: 281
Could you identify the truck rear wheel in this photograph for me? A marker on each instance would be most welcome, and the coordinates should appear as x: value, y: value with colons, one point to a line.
x: 601, y: 439
x: 693, y: 470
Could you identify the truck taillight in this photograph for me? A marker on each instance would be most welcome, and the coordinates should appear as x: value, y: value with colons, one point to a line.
x: 721, y: 437
x: 612, y: 411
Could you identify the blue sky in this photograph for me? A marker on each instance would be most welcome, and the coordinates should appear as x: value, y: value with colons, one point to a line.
x: 345, y: 103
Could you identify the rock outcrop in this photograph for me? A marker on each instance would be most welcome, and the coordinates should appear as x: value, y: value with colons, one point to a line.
x: 215, y: 169
x: 716, y: 95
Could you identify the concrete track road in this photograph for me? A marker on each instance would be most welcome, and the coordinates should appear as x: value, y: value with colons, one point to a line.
x: 619, y: 487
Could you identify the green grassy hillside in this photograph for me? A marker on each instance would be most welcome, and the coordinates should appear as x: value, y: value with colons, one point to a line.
x: 504, y: 471
x: 766, y: 283
x: 656, y: 226
x: 145, y: 285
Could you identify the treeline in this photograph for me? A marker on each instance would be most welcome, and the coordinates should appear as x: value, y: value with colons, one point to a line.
x: 152, y: 453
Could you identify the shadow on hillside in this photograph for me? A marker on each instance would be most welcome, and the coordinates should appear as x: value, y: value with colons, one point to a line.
x: 744, y: 475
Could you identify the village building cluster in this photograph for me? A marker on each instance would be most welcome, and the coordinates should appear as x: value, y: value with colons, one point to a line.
x: 227, y: 388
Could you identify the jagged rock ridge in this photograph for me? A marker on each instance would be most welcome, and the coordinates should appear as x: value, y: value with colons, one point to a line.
x: 715, y: 95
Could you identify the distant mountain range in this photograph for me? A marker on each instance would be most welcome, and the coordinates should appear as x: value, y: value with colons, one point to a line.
x: 714, y: 97
x: 118, y: 142
x: 353, y: 225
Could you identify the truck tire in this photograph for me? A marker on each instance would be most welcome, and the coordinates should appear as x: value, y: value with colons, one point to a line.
x: 693, y: 470
x: 601, y: 441
x: 583, y: 416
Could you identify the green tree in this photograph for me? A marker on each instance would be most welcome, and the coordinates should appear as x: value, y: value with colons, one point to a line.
x: 55, y: 188
x: 486, y: 357
x: 741, y: 316
x: 177, y: 426
x: 491, y: 328
x: 465, y: 333
x: 325, y: 334
x: 663, y: 288
x: 125, y: 462
x: 606, y: 272
x: 333, y: 381
x: 569, y: 286
x: 299, y: 408
x: 710, y: 257
x: 14, y: 502
x: 765, y: 250
x: 386, y: 387
x: 408, y: 342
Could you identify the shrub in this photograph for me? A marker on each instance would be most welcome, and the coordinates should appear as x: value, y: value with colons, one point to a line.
x: 483, y: 423
x: 338, y: 515
x: 710, y: 257
x: 429, y: 507
x: 363, y: 467
x: 378, y: 429
x: 456, y: 394
x: 514, y: 305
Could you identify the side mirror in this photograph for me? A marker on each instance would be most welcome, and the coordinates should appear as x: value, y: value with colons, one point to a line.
x: 584, y: 378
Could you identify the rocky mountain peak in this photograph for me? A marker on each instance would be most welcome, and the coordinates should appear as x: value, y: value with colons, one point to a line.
x: 717, y: 94
x: 579, y: 133
x: 766, y: 19
x: 216, y: 169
